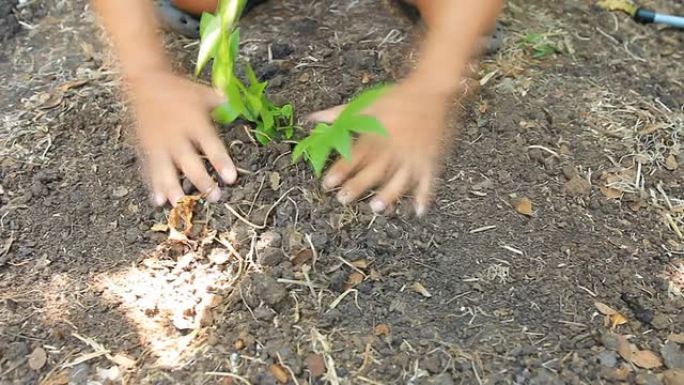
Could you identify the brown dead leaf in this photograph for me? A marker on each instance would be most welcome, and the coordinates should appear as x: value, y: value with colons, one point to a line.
x: 159, y: 227
x: 646, y: 359
x: 354, y: 279
x: 37, y: 359
x: 279, y: 373
x: 671, y: 163
x: 618, y: 5
x: 625, y: 349
x: 182, y: 214
x: 604, y: 309
x: 611, y: 193
x: 365, y: 79
x: 523, y: 206
x: 381, y: 330
x: 301, y: 257
x: 239, y: 344
x: 58, y: 378
x: 616, y: 320
x: 316, y: 365
x: 419, y: 288
x: 676, y: 337
x: 361, y: 264
x: 123, y: 361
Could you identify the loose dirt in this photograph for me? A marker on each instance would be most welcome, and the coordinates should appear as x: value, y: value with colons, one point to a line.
x: 562, y: 189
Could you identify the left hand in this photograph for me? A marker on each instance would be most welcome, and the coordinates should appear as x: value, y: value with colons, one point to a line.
x: 404, y: 161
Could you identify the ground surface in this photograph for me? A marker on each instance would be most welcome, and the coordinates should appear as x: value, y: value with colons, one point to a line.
x: 476, y: 293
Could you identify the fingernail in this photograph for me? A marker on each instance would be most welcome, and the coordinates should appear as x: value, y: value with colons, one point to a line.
x: 159, y: 199
x: 378, y: 206
x: 331, y: 181
x: 229, y: 175
x: 420, y: 210
x: 343, y: 197
x: 214, y: 194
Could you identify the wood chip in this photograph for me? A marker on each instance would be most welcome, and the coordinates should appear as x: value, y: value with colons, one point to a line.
x: 381, y: 330
x: 604, y: 309
x: 419, y: 288
x: 123, y: 361
x: 676, y: 337
x: 354, y: 279
x: 611, y: 193
x: 523, y: 206
x: 361, y: 263
x: 279, y: 373
x: 671, y: 163
x: 673, y: 377
x: 646, y: 359
x: 316, y: 365
x: 37, y: 359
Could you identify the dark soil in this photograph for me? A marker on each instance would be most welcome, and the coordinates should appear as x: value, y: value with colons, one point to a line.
x: 475, y: 293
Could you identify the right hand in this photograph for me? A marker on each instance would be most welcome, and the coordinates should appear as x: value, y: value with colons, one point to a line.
x: 175, y: 129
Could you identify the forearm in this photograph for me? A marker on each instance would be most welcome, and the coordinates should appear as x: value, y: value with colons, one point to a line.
x: 455, y: 29
x: 132, y: 27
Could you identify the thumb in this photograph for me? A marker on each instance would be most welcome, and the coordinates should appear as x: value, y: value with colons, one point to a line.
x: 212, y: 96
x: 326, y: 116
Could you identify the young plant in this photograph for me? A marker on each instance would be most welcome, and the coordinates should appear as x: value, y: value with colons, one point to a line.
x: 540, y: 45
x: 338, y: 136
x: 220, y: 41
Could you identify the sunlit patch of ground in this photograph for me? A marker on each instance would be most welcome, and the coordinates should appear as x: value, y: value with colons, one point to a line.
x: 170, y: 294
x: 170, y: 299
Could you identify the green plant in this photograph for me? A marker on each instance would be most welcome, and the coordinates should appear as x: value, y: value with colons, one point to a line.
x: 338, y: 136
x: 220, y: 41
x: 540, y: 44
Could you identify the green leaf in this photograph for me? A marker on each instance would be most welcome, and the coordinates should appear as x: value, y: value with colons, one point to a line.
x: 234, y: 97
x: 225, y: 113
x: 287, y: 111
x: 211, y: 33
x: 317, y: 157
x: 300, y: 149
x: 206, y: 20
x: 234, y: 44
x: 289, y: 132
x: 341, y: 140
x: 364, y: 100
x: 251, y: 76
x: 230, y: 11
x: 268, y: 120
x: 364, y: 124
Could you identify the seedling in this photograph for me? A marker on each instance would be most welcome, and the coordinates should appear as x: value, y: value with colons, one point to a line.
x: 220, y: 41
x: 541, y: 46
x: 325, y: 138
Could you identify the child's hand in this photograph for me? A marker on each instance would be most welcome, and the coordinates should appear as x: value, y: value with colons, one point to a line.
x: 175, y: 129
x: 405, y: 161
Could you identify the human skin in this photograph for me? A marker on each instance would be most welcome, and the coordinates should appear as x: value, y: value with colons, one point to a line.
x: 175, y: 130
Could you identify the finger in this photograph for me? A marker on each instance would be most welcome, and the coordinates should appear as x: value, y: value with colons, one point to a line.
x: 344, y: 168
x: 391, y: 191
x: 423, y: 193
x: 164, y: 180
x: 192, y: 166
x: 213, y: 148
x: 367, y: 178
x: 212, y: 96
x: 326, y: 116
